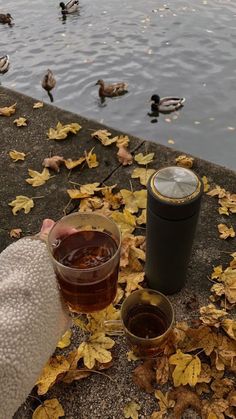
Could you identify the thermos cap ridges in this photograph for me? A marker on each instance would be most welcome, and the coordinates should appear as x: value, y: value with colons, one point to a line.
x: 175, y: 183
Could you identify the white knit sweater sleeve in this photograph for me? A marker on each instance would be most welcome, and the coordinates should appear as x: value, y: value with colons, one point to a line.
x: 32, y: 320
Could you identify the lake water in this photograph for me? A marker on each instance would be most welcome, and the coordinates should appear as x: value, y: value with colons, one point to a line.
x: 179, y: 48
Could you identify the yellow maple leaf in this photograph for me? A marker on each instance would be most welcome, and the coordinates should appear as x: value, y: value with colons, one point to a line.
x: 20, y: 122
x: 15, y: 233
x: 187, y: 369
x: 122, y: 140
x: 211, y: 316
x: 163, y: 401
x: 131, y: 356
x: 142, y: 219
x: 184, y: 161
x: 98, y: 318
x: 132, y: 280
x: 131, y: 410
x: 223, y: 211
x: 225, y: 231
x: 217, y: 271
x: 125, y: 220
x: 143, y: 174
x: 22, y: 202
x: 37, y: 105
x: 206, y: 185
x: 134, y: 200
x: 91, y: 159
x: 38, y: 178
x: 70, y: 164
x: 85, y: 191
x: 55, y: 366
x: 217, y: 191
x: 49, y: 409
x: 77, y: 194
x: 61, y: 131
x: 103, y: 136
x: 65, y: 340
x: 8, y: 111
x: 141, y: 159
x: 95, y: 348
x: 16, y: 155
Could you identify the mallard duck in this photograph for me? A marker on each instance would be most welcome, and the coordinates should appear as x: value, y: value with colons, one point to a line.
x: 48, y: 83
x: 4, y: 64
x: 6, y: 18
x: 166, y: 104
x: 70, y: 7
x: 111, y: 90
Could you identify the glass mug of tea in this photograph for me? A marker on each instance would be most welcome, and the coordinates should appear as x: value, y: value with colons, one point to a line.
x: 85, y: 252
x: 147, y: 318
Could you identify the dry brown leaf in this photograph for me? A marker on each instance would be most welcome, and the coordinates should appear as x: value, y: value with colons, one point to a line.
x: 124, y: 156
x: 49, y: 409
x: 225, y: 231
x: 8, y: 111
x: 20, y: 122
x: 184, y: 161
x: 53, y: 162
x: 222, y: 387
x: 144, y: 375
x: 164, y: 404
x: 162, y: 370
x: 216, y: 408
x: 205, y: 374
x: 184, y: 399
x: 75, y: 375
x: 201, y: 338
x: 225, y: 353
x: 229, y: 327
x: 15, y: 233
x: 132, y: 280
x: 202, y: 388
x: 211, y: 316
x: 16, y: 155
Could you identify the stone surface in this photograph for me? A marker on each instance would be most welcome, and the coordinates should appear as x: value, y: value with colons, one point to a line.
x: 101, y: 395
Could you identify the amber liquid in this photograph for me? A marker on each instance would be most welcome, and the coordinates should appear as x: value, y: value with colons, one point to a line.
x: 91, y: 283
x: 146, y: 321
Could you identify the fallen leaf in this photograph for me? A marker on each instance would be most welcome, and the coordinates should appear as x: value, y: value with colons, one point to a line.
x: 217, y: 271
x: 131, y: 356
x: 222, y: 387
x: 65, y: 340
x: 164, y: 402
x: 114, y: 200
x: 15, y: 233
x: 131, y: 410
x: 95, y: 348
x: 71, y: 164
x: 187, y: 368
x: 144, y: 375
x: 22, y: 202
x: 184, y: 161
x: 53, y: 162
x: 90, y: 188
x: 141, y: 159
x: 206, y: 185
x: 134, y: 200
x: 61, y: 131
x: 184, y: 399
x: 20, y: 122
x: 91, y: 159
x: 55, y: 366
x: 225, y: 231
x: 132, y: 281
x: 75, y: 375
x: 122, y: 141
x: 143, y: 174
x: 142, y: 219
x: 77, y: 194
x: 217, y: 191
x: 125, y: 220
x: 16, y: 155
x: 104, y: 137
x: 38, y: 178
x: 162, y: 370
x: 124, y: 156
x: 211, y: 316
x: 98, y: 318
x: 201, y: 338
x: 229, y: 327
x: 205, y: 374
x: 8, y: 111
x: 49, y: 409
x: 37, y: 105
x: 217, y: 408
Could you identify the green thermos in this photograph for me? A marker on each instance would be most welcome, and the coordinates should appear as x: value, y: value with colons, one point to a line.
x: 173, y: 205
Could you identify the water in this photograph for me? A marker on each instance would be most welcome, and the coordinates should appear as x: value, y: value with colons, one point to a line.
x: 182, y: 48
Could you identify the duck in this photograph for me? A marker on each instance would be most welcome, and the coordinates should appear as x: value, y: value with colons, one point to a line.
x: 4, y: 64
x: 166, y: 104
x: 48, y: 83
x: 6, y: 18
x: 111, y: 90
x: 70, y: 7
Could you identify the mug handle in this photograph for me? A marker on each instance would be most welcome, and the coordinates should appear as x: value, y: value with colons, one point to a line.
x: 113, y: 327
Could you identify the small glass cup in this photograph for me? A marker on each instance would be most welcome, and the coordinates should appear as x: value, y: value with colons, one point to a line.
x: 85, y: 252
x: 147, y: 318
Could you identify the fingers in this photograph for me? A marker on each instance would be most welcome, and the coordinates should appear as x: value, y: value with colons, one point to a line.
x: 46, y: 227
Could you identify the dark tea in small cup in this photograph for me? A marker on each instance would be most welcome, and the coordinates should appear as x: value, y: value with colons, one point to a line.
x: 147, y: 318
x: 85, y: 251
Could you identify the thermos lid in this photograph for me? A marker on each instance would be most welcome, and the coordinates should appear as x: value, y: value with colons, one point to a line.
x: 174, y: 192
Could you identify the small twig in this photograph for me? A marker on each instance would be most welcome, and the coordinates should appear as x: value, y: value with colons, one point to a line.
x: 39, y: 197
x: 65, y: 208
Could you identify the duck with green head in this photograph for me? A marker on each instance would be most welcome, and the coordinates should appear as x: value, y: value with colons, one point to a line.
x: 166, y: 104
x: 6, y: 18
x: 70, y: 7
